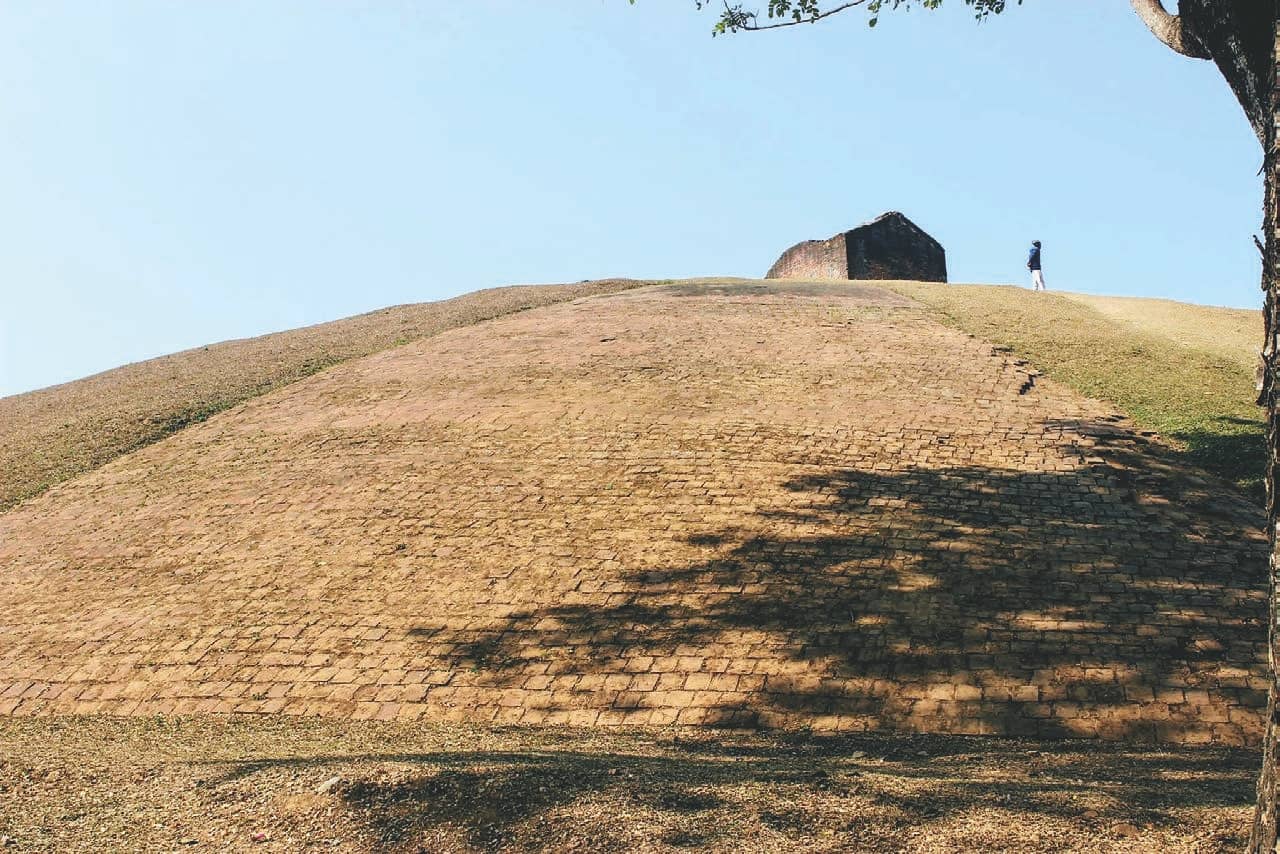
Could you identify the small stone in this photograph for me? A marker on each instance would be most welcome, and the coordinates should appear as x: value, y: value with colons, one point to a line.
x: 1124, y: 828
x: 857, y: 754
x: 258, y: 836
x: 328, y: 785
x: 1091, y: 814
x: 190, y: 840
x: 6, y: 841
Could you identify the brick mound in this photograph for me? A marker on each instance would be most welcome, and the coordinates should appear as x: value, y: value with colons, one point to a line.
x: 792, y: 505
x: 54, y: 434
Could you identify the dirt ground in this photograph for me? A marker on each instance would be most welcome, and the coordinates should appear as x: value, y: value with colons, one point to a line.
x: 301, y: 784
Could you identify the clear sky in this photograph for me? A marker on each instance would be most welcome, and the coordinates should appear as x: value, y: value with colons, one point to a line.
x: 173, y: 174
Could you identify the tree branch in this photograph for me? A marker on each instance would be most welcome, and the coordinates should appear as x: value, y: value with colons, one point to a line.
x: 816, y: 16
x: 1168, y: 28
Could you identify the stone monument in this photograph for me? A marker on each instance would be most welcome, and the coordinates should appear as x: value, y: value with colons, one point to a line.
x: 889, y: 247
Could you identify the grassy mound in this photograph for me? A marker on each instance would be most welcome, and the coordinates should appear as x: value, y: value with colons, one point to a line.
x: 1181, y: 370
x: 54, y: 434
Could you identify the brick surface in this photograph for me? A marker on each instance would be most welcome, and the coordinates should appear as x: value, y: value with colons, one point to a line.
x: 801, y: 505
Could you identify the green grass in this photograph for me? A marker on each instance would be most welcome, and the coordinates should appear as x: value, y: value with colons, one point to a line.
x: 1157, y: 366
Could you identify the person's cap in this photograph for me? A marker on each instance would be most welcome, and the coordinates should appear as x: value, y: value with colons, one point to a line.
x: 1035, y: 243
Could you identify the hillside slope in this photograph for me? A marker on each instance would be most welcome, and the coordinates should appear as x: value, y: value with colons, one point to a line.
x: 1231, y: 333
x: 1183, y: 371
x: 53, y: 434
x: 798, y: 504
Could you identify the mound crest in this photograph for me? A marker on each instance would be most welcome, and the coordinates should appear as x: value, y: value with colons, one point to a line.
x: 795, y: 505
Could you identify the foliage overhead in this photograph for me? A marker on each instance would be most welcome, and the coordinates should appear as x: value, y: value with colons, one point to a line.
x: 787, y: 13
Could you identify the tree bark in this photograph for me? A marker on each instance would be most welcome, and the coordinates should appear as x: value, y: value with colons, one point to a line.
x: 1242, y: 38
x: 1239, y: 36
x: 1168, y: 28
x: 1265, y: 833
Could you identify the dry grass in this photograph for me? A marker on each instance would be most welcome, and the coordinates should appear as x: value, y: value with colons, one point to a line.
x: 54, y: 434
x: 1185, y: 372
x: 257, y: 784
x: 1234, y: 334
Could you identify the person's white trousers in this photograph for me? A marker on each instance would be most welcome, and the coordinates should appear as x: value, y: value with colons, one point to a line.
x: 1037, y: 280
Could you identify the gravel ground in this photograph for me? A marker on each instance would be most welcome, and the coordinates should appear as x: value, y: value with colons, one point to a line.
x: 295, y: 784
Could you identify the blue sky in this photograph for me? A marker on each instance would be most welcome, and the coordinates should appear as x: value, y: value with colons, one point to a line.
x: 173, y: 174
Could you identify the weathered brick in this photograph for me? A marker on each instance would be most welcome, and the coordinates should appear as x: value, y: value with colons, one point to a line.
x: 808, y: 505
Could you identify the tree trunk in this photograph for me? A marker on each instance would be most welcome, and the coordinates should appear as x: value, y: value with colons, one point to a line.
x: 1239, y: 37
x: 1266, y: 821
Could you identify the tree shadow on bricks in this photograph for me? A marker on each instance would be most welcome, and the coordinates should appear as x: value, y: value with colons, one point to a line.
x: 1123, y: 597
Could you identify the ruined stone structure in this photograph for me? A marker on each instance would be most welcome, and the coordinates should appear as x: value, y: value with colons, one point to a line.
x: 743, y: 513
x: 889, y: 247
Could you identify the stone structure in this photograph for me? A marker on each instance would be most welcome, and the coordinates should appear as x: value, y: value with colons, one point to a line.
x: 718, y: 505
x: 889, y: 247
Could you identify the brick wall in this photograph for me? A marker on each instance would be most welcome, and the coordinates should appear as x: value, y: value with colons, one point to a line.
x: 894, y: 248
x: 813, y: 259
x: 888, y: 247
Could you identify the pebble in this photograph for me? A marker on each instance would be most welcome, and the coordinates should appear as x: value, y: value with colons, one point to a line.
x: 328, y: 785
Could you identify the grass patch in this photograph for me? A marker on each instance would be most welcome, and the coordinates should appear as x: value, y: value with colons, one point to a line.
x: 1155, y: 362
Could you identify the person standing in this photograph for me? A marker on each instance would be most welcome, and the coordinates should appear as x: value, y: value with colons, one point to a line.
x: 1033, y: 264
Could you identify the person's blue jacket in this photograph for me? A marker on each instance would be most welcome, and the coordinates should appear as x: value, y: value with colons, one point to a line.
x: 1033, y: 260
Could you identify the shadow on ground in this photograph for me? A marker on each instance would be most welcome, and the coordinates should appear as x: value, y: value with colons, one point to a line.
x: 881, y: 793
x: 1236, y: 448
x: 1123, y: 598
x: 292, y: 784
